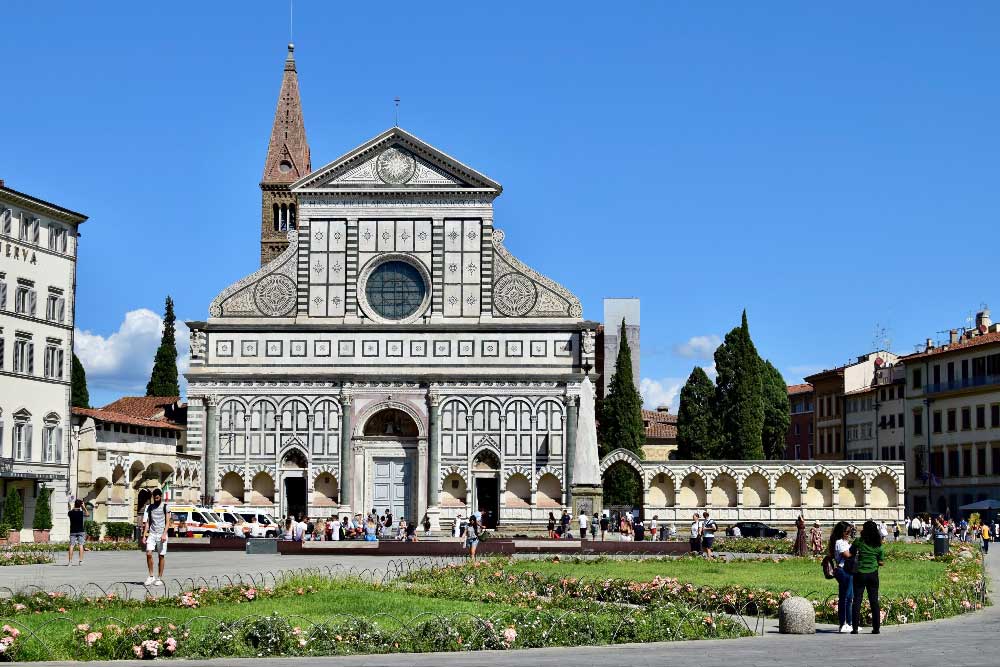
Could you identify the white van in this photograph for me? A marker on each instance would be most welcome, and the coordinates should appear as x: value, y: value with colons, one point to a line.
x: 266, y: 526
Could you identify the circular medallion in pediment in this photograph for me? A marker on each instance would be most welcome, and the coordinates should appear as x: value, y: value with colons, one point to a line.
x: 275, y: 295
x: 514, y: 295
x: 396, y: 166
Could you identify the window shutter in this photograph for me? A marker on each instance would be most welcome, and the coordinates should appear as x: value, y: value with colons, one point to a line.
x: 34, y: 230
x: 3, y: 296
x: 46, y: 363
x: 27, y: 442
x: 62, y: 240
x: 58, y: 445
x: 1, y: 431
x: 31, y: 302
x: 5, y: 217
x: 31, y: 358
x: 61, y: 310
x: 59, y: 364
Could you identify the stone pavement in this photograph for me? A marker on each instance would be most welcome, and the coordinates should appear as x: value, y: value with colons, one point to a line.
x: 969, y: 640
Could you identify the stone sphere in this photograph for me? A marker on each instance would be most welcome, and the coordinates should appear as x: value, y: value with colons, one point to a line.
x: 796, y: 616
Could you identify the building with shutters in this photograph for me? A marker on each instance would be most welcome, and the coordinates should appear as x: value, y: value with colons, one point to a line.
x: 38, y: 250
x: 391, y: 353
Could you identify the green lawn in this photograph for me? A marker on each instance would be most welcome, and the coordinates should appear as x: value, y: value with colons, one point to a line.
x: 391, y: 609
x: 801, y: 576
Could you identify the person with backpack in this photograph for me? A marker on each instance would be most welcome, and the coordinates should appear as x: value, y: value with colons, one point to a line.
x: 870, y: 557
x: 605, y: 525
x: 708, y: 528
x: 836, y: 565
x: 156, y: 525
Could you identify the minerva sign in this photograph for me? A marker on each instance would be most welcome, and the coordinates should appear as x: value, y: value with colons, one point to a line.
x: 14, y: 251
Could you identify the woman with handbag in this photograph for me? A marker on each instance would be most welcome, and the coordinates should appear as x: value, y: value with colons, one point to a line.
x: 839, y: 552
x: 868, y: 550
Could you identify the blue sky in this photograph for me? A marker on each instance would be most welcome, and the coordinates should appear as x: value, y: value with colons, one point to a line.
x: 829, y: 168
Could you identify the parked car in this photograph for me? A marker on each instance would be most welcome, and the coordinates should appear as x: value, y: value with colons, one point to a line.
x: 192, y: 521
x: 756, y: 529
x: 267, y: 525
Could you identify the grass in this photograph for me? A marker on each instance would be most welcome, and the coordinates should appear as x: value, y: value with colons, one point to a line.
x: 392, y: 609
x: 900, y: 576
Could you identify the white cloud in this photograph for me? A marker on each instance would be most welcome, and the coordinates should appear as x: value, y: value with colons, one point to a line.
x: 666, y: 391
x: 120, y: 363
x: 698, y: 347
x: 796, y: 373
x: 711, y: 371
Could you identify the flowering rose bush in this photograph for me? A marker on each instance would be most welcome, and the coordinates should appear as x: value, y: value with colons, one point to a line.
x: 111, y: 641
x: 10, y: 556
x: 9, y: 644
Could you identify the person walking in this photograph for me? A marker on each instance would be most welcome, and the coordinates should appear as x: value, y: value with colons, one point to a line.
x: 605, y: 524
x: 472, y: 537
x: 800, y: 537
x: 552, y: 526
x: 584, y: 521
x: 77, y: 533
x: 594, y: 525
x: 868, y: 550
x: 695, y: 534
x: 426, y: 523
x: 371, y: 533
x: 984, y: 532
x: 816, y: 539
x: 839, y: 549
x: 895, y: 531
x: 156, y: 525
x: 708, y: 529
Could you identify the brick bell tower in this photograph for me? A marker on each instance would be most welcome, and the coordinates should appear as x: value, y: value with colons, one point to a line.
x: 287, y: 161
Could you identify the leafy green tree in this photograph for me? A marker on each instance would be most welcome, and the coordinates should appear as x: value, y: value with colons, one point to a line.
x: 697, y: 424
x: 13, y: 510
x: 739, y: 395
x: 163, y: 381
x: 777, y: 412
x: 621, y: 427
x: 43, y: 510
x: 80, y: 397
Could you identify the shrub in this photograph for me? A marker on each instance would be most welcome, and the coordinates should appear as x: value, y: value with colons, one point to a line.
x: 92, y: 529
x: 118, y: 530
x: 13, y: 510
x: 43, y: 510
x: 4, y: 531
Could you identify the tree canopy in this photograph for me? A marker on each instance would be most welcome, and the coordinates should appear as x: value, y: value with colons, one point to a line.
x: 163, y: 380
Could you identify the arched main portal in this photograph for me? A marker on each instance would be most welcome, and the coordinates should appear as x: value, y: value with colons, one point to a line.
x: 390, y: 435
x: 295, y: 493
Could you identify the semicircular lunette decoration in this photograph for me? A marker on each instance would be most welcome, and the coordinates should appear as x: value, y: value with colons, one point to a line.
x: 520, y: 291
x: 268, y: 292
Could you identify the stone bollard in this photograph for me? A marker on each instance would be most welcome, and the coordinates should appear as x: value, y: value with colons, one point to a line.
x: 796, y: 616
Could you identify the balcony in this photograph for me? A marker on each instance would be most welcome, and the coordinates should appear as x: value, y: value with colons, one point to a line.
x: 963, y: 383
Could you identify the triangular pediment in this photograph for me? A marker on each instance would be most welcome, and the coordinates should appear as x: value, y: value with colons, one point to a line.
x: 395, y: 160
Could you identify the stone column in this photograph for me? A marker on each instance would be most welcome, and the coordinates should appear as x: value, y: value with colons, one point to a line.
x: 346, y: 463
x: 570, y: 444
x: 434, y: 461
x: 211, y: 448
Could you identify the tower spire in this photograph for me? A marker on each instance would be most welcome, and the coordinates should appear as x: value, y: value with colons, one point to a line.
x: 288, y: 151
x: 287, y: 161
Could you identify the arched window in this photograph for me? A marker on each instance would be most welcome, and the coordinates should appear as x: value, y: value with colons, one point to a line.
x: 52, y: 439
x: 294, y: 422
x: 517, y: 429
x: 232, y: 429
x: 454, y: 429
x: 391, y: 423
x: 291, y: 216
x: 277, y: 221
x: 263, y: 428
x: 326, y: 428
x: 549, y: 429
x: 22, y: 435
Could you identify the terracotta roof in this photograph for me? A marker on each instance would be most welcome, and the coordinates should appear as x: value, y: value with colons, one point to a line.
x: 104, y: 415
x: 799, y: 389
x: 962, y: 345
x: 288, y: 134
x: 660, y: 424
x: 143, y: 407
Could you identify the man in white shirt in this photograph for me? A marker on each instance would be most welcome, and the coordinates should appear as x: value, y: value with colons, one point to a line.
x: 695, y: 533
x: 299, y: 529
x: 335, y: 529
x: 584, y: 522
x: 737, y: 532
x: 708, y: 528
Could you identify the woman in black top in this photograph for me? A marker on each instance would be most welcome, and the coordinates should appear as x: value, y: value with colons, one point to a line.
x: 552, y: 525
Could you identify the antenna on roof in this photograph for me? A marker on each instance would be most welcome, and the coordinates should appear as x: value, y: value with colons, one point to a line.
x: 395, y: 101
x: 881, y: 340
x: 291, y: 23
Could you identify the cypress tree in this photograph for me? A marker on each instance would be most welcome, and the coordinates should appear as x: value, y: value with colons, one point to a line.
x: 621, y: 427
x: 163, y: 380
x: 777, y: 415
x: 697, y: 425
x: 43, y: 510
x: 80, y: 397
x: 13, y: 510
x: 739, y: 395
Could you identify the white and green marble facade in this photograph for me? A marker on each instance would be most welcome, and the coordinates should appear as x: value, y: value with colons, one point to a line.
x: 294, y: 361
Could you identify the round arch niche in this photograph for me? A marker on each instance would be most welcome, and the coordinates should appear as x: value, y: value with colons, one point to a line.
x: 391, y: 423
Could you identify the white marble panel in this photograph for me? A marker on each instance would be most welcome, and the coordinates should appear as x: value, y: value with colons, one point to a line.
x: 319, y: 235
x: 386, y: 235
x: 337, y: 267
x: 317, y: 301
x: 452, y: 268
x: 471, y: 268
x: 452, y: 234
x: 453, y: 300
x: 335, y: 300
x: 317, y: 268
x: 470, y: 301
x: 422, y: 235
x: 338, y: 235
x: 367, y: 235
x: 471, y: 232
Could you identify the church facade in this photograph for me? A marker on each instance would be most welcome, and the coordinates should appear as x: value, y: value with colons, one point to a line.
x: 391, y: 353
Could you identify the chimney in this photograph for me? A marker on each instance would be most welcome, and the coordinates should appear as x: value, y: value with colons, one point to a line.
x: 929, y: 346
x: 983, y: 320
x: 953, y: 336
x: 664, y: 408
